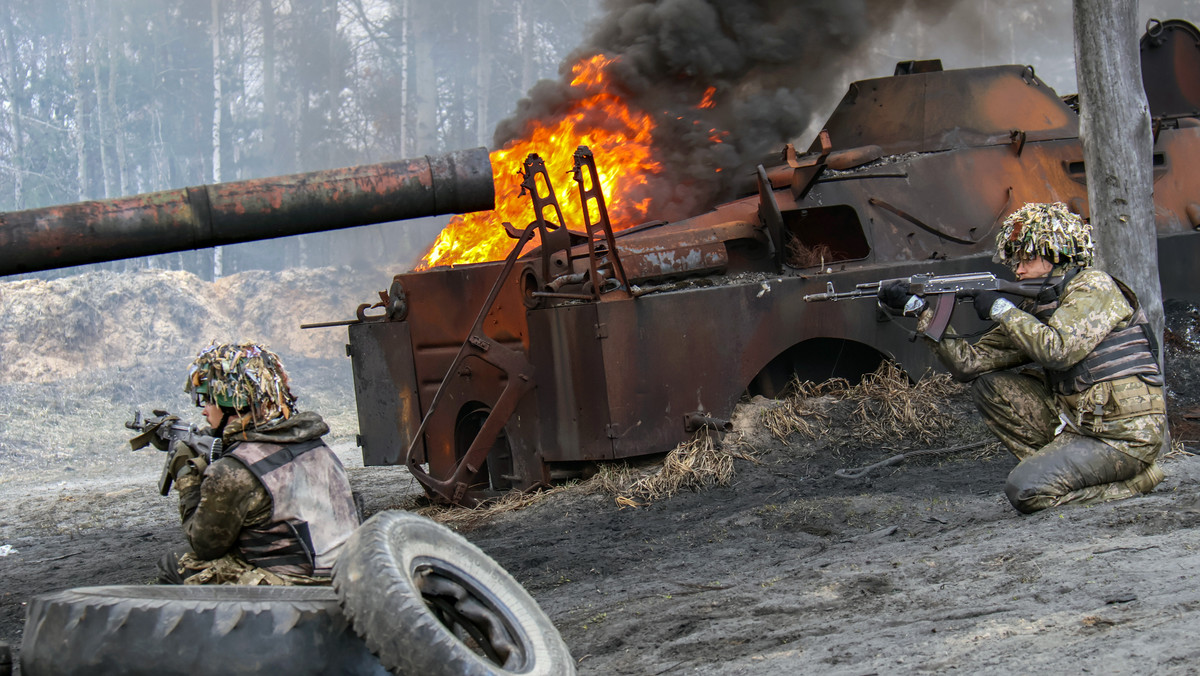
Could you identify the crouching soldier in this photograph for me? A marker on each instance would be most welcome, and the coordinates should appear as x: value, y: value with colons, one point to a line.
x: 274, y: 505
x: 1086, y: 416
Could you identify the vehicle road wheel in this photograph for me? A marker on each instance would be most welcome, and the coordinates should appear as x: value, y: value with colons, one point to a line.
x: 150, y: 629
x: 428, y: 602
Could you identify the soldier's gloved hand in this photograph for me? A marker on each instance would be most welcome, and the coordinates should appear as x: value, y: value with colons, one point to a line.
x: 151, y: 432
x: 984, y: 300
x: 185, y: 460
x: 894, y: 294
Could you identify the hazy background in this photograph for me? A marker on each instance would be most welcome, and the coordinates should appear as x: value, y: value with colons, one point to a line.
x: 100, y: 98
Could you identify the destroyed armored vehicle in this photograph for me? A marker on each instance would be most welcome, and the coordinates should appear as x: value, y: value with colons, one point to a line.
x: 603, y: 344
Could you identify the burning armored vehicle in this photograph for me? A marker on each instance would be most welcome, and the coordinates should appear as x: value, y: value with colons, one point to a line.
x: 597, y: 340
x: 603, y: 345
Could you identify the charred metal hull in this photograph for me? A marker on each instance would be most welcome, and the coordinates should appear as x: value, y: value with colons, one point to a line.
x: 916, y: 174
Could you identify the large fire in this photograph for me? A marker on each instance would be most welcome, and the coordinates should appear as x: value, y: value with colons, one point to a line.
x: 619, y: 137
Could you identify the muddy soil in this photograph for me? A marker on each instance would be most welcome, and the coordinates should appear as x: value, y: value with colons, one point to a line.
x: 919, y: 567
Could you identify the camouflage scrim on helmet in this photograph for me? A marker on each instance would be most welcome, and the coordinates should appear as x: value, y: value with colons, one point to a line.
x: 245, y: 376
x: 1048, y: 230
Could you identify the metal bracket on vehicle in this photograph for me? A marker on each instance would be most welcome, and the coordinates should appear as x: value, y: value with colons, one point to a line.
x: 586, y: 175
x: 518, y: 380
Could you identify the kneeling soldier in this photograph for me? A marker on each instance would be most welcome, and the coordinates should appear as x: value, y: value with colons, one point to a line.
x: 275, y: 507
x: 1088, y: 423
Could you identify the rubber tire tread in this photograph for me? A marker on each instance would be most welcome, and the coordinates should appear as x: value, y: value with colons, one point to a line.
x: 166, y: 629
x: 373, y: 577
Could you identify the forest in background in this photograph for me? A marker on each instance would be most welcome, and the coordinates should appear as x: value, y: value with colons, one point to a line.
x: 102, y: 98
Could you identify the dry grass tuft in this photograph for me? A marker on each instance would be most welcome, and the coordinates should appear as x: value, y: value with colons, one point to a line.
x: 693, y: 464
x: 697, y: 463
x: 801, y: 256
x: 799, y: 412
x: 462, y: 519
x: 1178, y: 449
x: 888, y: 406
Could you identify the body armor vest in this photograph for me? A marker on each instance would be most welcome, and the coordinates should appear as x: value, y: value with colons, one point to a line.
x: 1129, y: 349
x: 312, y: 508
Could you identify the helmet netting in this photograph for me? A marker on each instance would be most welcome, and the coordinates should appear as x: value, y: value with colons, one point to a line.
x: 246, y: 376
x: 1048, y: 230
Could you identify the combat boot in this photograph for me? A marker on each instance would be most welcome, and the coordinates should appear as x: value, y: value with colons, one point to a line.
x: 1139, y: 484
x: 1146, y: 480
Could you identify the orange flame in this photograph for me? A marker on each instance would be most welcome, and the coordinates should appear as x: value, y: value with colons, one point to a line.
x: 707, y: 101
x: 618, y: 136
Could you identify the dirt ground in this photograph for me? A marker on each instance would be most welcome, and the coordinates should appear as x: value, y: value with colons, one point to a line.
x: 919, y: 567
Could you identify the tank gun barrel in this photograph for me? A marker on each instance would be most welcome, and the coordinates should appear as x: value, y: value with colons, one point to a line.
x: 244, y: 211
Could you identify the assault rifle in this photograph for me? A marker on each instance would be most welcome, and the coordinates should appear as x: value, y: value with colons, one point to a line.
x: 162, y: 431
x: 944, y: 290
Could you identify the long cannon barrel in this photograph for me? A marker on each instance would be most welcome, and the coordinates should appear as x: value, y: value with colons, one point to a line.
x: 244, y: 211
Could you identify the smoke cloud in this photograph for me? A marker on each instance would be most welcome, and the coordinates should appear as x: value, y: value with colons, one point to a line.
x: 770, y: 64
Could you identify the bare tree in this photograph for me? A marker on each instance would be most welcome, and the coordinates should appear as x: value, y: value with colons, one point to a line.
x: 1118, y: 147
x: 217, y: 252
x: 80, y: 124
x: 423, y: 79
x: 117, y: 129
x: 17, y: 98
x: 483, y: 73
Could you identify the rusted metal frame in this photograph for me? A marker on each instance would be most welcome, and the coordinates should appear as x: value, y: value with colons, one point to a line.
x: 918, y: 222
x: 585, y: 161
x: 805, y: 177
x: 519, y: 380
x: 772, y: 217
x: 1017, y: 139
x: 554, y: 236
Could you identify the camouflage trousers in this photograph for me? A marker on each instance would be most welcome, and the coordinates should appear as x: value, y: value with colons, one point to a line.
x: 184, y: 567
x: 1058, y: 466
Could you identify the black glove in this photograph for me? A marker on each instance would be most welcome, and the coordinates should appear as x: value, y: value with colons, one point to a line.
x: 984, y: 300
x: 894, y: 294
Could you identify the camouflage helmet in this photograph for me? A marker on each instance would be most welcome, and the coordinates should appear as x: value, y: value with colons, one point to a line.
x: 245, y: 376
x: 1048, y: 230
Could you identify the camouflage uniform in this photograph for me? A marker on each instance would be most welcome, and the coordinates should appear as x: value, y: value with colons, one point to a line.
x: 228, y: 498
x: 1095, y: 445
x: 276, y: 506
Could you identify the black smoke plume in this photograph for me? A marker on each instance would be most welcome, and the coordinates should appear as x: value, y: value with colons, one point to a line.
x: 770, y: 63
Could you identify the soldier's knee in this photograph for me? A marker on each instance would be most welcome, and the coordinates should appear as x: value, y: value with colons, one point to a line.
x: 1025, y: 498
x: 1026, y: 489
x: 983, y: 388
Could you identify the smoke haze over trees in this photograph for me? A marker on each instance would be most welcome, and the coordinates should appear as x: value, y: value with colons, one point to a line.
x: 101, y: 98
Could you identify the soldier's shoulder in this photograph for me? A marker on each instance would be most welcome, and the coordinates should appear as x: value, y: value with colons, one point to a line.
x: 227, y: 467
x: 1092, y: 279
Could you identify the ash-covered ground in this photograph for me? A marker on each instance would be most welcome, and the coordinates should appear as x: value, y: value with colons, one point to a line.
x: 919, y: 567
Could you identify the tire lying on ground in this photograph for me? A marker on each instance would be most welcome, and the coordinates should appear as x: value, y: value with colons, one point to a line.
x: 192, y: 630
x: 429, y: 602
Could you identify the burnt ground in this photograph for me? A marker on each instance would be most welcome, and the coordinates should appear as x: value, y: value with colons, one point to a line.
x: 920, y: 567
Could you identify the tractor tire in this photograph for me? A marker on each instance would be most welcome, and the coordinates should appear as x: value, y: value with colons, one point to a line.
x: 427, y: 601
x: 5, y: 660
x: 149, y: 629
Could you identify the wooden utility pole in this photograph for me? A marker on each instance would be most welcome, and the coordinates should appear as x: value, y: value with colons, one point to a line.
x: 1118, y: 147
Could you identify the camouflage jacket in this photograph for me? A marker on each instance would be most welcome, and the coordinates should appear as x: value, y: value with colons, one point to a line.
x: 1127, y: 413
x: 216, y: 506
